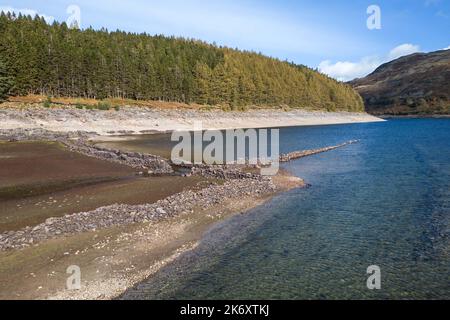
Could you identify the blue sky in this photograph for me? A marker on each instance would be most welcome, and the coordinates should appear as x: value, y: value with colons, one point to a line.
x: 331, y: 35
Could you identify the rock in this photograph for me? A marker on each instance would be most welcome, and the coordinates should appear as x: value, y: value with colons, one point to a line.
x: 237, y: 184
x: 160, y: 211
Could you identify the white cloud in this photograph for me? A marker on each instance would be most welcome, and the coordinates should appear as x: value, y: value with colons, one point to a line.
x: 27, y: 12
x: 346, y: 70
x: 448, y: 48
x: 402, y: 50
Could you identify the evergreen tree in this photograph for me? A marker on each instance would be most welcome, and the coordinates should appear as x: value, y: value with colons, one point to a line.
x: 55, y: 60
x: 6, y: 82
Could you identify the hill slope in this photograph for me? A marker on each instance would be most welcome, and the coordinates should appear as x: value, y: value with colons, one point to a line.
x: 414, y: 84
x: 57, y: 61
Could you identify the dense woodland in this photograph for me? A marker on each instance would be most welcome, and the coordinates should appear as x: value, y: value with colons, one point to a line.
x: 54, y: 60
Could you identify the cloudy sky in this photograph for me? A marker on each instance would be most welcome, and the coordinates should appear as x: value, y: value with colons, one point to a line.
x: 331, y: 35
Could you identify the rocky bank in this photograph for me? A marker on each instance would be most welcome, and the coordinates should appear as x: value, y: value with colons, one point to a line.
x: 78, y: 142
x: 139, y: 120
x: 119, y: 214
x: 237, y: 184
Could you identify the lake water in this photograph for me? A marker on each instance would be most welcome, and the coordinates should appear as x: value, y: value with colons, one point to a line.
x: 384, y: 201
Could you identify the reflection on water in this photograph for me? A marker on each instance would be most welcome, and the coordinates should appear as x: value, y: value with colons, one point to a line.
x: 384, y: 201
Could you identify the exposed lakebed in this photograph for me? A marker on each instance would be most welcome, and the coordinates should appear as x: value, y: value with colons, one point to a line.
x: 39, y: 180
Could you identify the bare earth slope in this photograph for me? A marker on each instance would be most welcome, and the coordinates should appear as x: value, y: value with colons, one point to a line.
x: 414, y: 84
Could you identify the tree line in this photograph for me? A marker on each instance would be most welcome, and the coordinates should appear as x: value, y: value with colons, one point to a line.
x: 55, y: 60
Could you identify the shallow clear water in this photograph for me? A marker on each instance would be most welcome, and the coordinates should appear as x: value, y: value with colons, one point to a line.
x: 384, y: 201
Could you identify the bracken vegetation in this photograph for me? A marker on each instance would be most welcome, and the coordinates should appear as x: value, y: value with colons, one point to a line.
x: 417, y: 84
x: 54, y: 60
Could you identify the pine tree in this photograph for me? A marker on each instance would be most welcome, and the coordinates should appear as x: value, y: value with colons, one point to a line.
x: 59, y: 61
x: 6, y: 82
x: 203, y: 83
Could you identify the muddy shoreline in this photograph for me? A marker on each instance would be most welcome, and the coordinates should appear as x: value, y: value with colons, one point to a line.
x: 119, y: 245
x: 122, y: 215
x: 160, y: 231
x: 236, y: 183
x: 116, y: 258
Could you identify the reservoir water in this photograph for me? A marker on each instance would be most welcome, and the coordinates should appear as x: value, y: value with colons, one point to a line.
x: 384, y: 201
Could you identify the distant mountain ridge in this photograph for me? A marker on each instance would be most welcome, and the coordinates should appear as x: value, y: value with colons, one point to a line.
x: 413, y: 84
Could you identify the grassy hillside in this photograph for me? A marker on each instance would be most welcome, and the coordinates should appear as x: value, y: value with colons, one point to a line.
x: 56, y: 61
x: 415, y: 84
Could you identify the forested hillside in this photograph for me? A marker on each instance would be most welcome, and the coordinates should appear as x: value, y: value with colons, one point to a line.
x: 54, y: 60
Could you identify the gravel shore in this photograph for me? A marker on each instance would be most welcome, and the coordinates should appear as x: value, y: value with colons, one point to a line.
x: 139, y: 120
x: 237, y: 184
x: 120, y: 215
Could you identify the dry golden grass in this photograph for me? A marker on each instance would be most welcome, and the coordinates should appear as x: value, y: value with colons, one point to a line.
x: 67, y: 101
